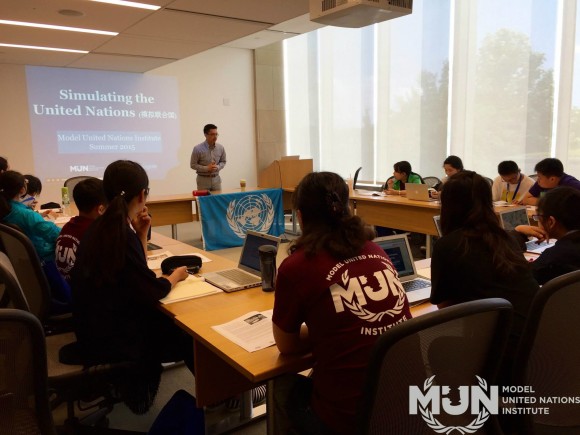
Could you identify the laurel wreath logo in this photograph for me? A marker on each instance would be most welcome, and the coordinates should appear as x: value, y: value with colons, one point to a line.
x: 238, y: 229
x: 364, y: 314
x: 434, y: 424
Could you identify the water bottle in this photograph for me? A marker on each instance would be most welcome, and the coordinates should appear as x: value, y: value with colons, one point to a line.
x: 268, y: 266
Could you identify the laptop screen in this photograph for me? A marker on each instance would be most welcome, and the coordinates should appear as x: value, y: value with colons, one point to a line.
x: 397, y: 248
x: 437, y: 220
x: 250, y: 256
x: 512, y: 218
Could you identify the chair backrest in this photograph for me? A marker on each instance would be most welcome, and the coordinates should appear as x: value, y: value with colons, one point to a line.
x: 24, y: 403
x: 489, y: 181
x: 72, y: 182
x: 534, y: 177
x: 548, y: 356
x: 25, y: 262
x: 431, y: 181
x: 12, y: 291
x: 454, y: 345
x: 355, y: 179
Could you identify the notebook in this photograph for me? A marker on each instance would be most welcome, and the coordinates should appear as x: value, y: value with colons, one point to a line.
x: 510, y: 219
x: 398, y: 249
x: 418, y: 192
x: 247, y: 274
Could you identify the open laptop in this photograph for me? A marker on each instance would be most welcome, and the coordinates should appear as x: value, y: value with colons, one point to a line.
x: 418, y: 192
x: 247, y: 274
x: 437, y: 220
x: 397, y: 248
x: 513, y: 217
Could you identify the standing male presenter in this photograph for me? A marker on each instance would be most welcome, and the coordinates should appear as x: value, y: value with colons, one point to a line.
x: 208, y: 159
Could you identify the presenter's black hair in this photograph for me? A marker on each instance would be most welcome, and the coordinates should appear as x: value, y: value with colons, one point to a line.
x: 327, y: 223
x: 208, y: 127
x: 33, y: 185
x: 3, y: 164
x: 11, y: 182
x: 466, y: 205
x: 550, y: 167
x: 89, y: 194
x: 563, y: 203
x: 106, y: 243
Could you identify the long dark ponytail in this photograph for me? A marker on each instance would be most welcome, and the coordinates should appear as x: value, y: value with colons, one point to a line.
x: 105, y: 246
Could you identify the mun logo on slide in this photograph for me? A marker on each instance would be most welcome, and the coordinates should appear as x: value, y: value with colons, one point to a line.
x: 252, y: 212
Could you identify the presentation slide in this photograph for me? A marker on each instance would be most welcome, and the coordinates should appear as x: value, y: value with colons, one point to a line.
x: 82, y: 120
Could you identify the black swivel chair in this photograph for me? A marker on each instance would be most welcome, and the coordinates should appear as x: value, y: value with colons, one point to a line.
x: 431, y: 181
x: 548, y: 357
x: 68, y: 382
x: 24, y: 401
x: 454, y: 344
x: 26, y: 263
x: 73, y: 181
x: 356, y: 178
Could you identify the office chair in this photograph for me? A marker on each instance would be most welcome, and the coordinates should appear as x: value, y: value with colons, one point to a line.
x: 71, y: 381
x: 454, y: 345
x: 548, y: 356
x: 355, y: 178
x: 431, y: 181
x: 534, y: 177
x: 28, y: 270
x: 73, y: 181
x: 489, y: 181
x: 24, y: 402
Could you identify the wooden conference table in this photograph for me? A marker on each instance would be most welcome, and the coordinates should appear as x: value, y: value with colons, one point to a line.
x: 222, y: 368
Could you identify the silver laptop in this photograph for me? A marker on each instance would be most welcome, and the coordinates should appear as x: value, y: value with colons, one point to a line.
x: 513, y: 217
x: 398, y: 249
x: 418, y: 192
x: 437, y: 220
x: 247, y: 274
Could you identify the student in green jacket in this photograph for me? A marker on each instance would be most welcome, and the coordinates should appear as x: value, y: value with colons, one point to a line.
x: 402, y: 174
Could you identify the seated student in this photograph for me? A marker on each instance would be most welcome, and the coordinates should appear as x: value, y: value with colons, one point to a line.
x: 90, y: 200
x: 42, y: 233
x: 402, y: 174
x: 33, y: 190
x: 451, y: 165
x: 475, y: 258
x: 4, y: 165
x: 333, y: 255
x: 550, y: 174
x: 558, y: 218
x: 115, y: 295
x: 510, y: 185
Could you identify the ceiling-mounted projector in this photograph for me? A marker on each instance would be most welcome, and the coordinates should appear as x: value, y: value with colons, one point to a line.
x: 357, y: 13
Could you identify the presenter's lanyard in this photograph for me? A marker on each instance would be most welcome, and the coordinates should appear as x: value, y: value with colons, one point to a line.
x: 517, y: 188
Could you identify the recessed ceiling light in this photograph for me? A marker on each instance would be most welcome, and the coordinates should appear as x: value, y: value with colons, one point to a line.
x: 71, y: 13
x: 130, y: 4
x: 34, y: 47
x: 53, y: 27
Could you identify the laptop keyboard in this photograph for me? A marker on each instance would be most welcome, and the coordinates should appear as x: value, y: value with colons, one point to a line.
x: 416, y: 284
x: 238, y: 276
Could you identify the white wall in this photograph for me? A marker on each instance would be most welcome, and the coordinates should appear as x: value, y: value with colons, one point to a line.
x: 216, y: 87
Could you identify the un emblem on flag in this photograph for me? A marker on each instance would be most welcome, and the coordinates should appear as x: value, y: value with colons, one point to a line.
x: 252, y: 212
